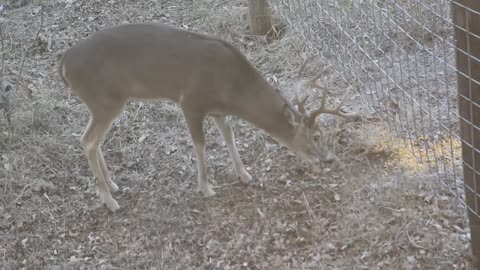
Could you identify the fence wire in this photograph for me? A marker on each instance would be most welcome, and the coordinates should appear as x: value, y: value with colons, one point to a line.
x: 401, y: 57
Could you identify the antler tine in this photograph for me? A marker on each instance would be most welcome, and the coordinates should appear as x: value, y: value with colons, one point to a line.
x: 349, y: 89
x: 320, y: 110
x: 302, y: 67
x: 323, y: 107
x: 336, y: 111
x: 313, y: 80
x: 301, y: 103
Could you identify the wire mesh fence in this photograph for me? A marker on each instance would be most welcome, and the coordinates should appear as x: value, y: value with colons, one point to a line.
x: 402, y: 58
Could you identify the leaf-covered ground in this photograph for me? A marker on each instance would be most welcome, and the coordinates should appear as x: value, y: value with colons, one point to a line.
x: 374, y: 212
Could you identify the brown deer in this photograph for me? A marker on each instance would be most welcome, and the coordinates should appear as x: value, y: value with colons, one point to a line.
x: 204, y: 75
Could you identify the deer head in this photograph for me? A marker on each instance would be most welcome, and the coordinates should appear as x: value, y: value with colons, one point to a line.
x: 308, y: 140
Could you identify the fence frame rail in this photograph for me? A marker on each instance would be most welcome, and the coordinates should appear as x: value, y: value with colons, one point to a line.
x: 466, y: 19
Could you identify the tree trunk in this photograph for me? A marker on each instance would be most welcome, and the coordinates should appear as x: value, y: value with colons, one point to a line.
x: 260, y: 17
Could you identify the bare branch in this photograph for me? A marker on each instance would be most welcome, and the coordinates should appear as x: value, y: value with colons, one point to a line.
x: 3, y: 89
x: 19, y: 77
x: 2, y: 47
x: 9, y: 107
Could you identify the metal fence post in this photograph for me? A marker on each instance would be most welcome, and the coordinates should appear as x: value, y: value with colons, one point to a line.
x: 466, y: 19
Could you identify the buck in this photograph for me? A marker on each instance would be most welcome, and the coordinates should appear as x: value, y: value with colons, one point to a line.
x: 204, y: 75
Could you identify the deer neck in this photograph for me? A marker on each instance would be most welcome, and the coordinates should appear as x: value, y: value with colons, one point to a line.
x: 265, y: 108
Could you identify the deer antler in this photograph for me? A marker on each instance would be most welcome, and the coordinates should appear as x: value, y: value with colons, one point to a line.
x: 301, y: 103
x: 336, y: 111
x: 312, y: 82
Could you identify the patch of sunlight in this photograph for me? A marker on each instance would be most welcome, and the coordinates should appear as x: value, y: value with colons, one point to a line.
x: 420, y: 154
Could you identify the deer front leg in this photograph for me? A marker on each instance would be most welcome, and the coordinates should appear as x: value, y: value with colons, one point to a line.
x: 91, y: 140
x: 227, y: 134
x: 195, y: 126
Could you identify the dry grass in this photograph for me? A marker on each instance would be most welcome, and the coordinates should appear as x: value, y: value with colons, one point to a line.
x: 371, y: 213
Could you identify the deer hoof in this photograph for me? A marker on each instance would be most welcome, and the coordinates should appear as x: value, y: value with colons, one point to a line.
x: 110, y: 203
x: 113, y: 187
x: 207, y: 191
x: 245, y: 177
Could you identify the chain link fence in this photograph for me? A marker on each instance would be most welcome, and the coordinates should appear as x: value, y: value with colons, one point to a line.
x: 402, y: 58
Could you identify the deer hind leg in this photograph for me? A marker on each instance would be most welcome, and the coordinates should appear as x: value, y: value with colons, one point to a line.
x: 98, y: 126
x: 101, y: 159
x: 229, y: 138
x: 195, y: 126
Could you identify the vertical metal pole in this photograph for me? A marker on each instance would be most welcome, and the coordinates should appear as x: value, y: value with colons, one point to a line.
x: 466, y: 20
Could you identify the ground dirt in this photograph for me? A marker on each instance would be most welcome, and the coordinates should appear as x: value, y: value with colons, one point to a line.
x: 379, y: 209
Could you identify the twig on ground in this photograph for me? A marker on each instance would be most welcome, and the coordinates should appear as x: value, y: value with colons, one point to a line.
x: 3, y: 89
